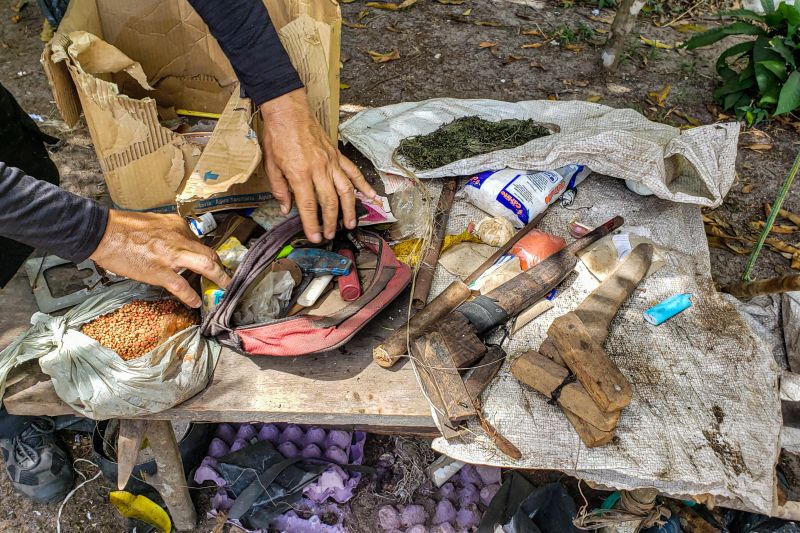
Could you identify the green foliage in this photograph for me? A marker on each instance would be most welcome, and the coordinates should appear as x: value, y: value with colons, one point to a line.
x: 760, y: 77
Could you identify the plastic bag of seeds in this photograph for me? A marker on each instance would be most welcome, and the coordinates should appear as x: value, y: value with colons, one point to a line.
x: 95, y: 380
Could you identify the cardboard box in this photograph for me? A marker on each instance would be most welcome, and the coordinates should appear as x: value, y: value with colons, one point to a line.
x: 128, y: 66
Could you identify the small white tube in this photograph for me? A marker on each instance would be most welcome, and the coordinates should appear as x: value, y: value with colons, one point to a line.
x: 314, y: 290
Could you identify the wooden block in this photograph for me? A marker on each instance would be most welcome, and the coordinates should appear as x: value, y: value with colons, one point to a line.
x: 461, y: 341
x: 590, y: 435
x: 590, y: 363
x: 543, y: 375
x: 549, y: 350
x: 434, y: 360
x: 485, y: 370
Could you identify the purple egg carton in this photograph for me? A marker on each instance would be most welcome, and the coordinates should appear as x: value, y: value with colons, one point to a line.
x: 291, y: 440
x: 457, y: 506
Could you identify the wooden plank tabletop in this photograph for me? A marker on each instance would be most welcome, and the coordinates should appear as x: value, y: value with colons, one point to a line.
x: 342, y: 388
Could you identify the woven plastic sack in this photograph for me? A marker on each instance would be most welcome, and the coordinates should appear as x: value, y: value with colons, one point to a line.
x: 695, y: 166
x: 98, y: 383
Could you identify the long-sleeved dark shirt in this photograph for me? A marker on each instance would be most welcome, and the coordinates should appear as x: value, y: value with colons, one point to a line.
x: 250, y: 42
x: 46, y: 216
x: 42, y: 215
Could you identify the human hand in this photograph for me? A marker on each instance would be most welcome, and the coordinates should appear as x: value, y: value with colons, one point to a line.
x: 299, y: 157
x: 151, y: 248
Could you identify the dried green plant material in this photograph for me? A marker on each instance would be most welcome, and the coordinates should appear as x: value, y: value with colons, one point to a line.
x: 467, y: 137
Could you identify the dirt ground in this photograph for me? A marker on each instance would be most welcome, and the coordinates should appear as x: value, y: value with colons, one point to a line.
x: 441, y: 55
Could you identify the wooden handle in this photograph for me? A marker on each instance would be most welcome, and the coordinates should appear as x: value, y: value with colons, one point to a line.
x: 394, y: 347
x: 427, y: 266
x: 517, y: 294
x: 599, y: 308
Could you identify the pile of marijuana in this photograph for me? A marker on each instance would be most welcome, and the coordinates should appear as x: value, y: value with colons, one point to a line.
x: 467, y: 137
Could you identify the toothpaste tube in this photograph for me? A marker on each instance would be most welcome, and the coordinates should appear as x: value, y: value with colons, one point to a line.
x: 520, y: 195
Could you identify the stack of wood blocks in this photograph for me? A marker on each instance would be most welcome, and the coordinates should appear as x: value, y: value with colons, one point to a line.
x: 571, y: 367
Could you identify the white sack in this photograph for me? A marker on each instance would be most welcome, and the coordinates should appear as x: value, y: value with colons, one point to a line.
x: 694, y: 166
x: 705, y: 416
x: 98, y: 383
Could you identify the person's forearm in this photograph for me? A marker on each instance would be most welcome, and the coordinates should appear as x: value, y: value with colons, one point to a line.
x: 45, y: 216
x: 251, y: 44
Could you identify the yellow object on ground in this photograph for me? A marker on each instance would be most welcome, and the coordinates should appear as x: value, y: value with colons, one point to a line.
x: 408, y: 251
x: 140, y: 508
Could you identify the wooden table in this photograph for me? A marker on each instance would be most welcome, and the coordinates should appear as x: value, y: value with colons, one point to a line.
x: 343, y: 388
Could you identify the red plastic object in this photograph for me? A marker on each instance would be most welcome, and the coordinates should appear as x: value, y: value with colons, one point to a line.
x: 349, y: 285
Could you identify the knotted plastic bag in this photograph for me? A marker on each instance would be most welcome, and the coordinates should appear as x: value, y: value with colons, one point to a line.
x: 95, y: 381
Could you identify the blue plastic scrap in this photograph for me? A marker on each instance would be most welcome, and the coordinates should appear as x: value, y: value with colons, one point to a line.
x: 658, y: 314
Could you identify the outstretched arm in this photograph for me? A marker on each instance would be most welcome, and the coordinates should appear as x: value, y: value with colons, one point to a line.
x: 146, y: 247
x: 299, y: 157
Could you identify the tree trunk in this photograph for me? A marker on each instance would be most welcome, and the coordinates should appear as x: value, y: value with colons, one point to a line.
x: 621, y: 29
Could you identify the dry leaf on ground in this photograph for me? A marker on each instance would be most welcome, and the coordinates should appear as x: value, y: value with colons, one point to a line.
x: 688, y: 118
x: 343, y: 86
x: 487, y: 44
x: 747, y: 189
x: 788, y: 215
x: 605, y: 20
x: 531, y: 45
x: 687, y: 28
x: 659, y: 98
x: 722, y: 244
x: 615, y: 88
x: 355, y: 25
x: 656, y: 43
x: 392, y: 6
x: 781, y: 229
x: 572, y: 47
x: 511, y: 58
x: 759, y: 147
x: 467, y: 12
x: 530, y: 32
x: 594, y: 98
x: 780, y: 246
x: 383, y: 58
x: 451, y: 2
x: 487, y: 23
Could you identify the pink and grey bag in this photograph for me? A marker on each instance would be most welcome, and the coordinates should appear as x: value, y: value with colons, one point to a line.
x: 305, y: 334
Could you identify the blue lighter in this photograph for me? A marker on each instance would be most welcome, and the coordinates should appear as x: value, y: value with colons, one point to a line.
x: 658, y: 314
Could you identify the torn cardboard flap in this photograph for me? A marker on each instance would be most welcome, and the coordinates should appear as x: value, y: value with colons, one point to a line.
x: 231, y: 157
x: 303, y: 43
x: 92, y: 55
x: 120, y: 62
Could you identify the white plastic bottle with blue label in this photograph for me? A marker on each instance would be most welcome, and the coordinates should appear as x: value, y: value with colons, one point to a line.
x: 520, y: 195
